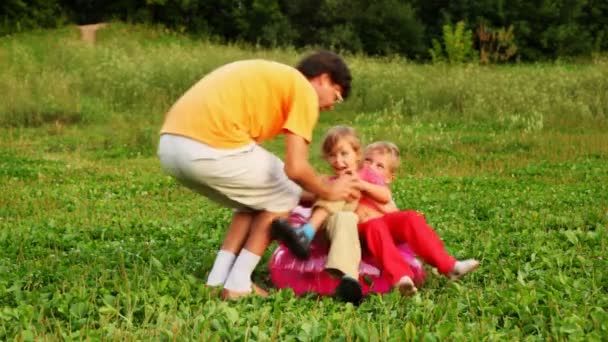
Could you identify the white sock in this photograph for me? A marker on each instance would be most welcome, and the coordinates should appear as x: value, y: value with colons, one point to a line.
x: 221, y: 268
x: 239, y: 278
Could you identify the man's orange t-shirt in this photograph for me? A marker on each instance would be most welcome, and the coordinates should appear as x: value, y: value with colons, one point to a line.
x: 243, y: 102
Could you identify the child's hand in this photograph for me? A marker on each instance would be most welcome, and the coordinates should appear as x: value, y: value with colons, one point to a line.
x: 354, y: 179
x: 361, y: 185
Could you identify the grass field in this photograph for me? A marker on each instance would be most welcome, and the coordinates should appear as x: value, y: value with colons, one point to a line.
x: 508, y: 163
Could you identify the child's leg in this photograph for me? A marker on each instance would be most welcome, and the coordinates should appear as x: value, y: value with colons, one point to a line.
x: 322, y: 209
x: 345, y: 249
x: 381, y: 246
x: 411, y: 227
x: 344, y: 255
x: 298, y: 239
x: 318, y: 217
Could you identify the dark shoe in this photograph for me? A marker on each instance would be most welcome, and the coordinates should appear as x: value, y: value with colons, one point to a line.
x: 294, y: 238
x: 349, y: 290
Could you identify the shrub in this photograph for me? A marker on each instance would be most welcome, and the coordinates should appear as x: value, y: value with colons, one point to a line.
x: 19, y: 16
x: 457, y: 45
x: 495, y: 45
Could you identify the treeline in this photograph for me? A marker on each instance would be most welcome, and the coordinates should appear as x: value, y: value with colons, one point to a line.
x: 490, y: 30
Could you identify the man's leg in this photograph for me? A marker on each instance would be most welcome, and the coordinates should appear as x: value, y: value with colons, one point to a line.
x: 253, y: 180
x: 239, y: 279
x: 259, y: 236
x: 258, y: 183
x: 235, y: 238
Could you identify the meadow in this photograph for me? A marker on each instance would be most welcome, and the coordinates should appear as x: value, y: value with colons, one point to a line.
x: 508, y: 163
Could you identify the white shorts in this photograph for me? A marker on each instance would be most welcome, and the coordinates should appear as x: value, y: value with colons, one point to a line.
x: 248, y: 179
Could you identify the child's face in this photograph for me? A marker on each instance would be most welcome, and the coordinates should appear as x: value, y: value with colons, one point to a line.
x: 343, y: 158
x: 380, y: 162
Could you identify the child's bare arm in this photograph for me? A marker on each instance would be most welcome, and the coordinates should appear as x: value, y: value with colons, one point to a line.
x: 378, y: 193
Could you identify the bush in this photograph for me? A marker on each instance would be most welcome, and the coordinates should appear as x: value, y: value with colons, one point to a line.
x: 495, y: 46
x: 457, y: 46
x: 19, y: 16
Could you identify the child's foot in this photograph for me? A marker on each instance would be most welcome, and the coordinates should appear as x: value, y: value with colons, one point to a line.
x: 349, y: 290
x: 294, y: 238
x: 406, y: 286
x: 461, y: 268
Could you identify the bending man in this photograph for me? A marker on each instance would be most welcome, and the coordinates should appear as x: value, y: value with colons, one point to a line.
x: 209, y: 142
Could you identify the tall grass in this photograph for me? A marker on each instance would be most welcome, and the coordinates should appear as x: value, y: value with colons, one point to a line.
x: 137, y: 72
x: 133, y: 74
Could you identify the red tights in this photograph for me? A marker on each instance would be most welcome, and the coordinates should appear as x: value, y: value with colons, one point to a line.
x: 383, y: 234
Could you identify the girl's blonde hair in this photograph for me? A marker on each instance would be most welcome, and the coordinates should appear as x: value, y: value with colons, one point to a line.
x: 338, y: 133
x: 386, y: 147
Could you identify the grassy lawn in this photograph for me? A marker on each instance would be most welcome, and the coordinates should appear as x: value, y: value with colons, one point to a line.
x: 508, y: 163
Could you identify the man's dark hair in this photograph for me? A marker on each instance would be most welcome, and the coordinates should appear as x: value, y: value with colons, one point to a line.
x: 328, y: 62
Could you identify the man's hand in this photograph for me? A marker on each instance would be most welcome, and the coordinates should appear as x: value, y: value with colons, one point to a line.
x: 343, y: 188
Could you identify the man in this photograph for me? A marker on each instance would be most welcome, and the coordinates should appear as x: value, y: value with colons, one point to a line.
x: 209, y: 142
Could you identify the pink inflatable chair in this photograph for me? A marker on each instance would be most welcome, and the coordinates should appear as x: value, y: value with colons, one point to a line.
x: 306, y: 276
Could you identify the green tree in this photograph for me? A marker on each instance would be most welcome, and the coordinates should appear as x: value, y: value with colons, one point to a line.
x: 18, y: 15
x: 261, y: 21
x: 379, y: 27
x: 389, y: 26
x: 543, y: 28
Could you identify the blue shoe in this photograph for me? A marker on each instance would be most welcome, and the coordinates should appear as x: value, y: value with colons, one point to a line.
x: 294, y: 238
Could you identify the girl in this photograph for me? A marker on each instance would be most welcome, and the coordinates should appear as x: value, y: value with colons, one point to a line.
x: 383, y: 226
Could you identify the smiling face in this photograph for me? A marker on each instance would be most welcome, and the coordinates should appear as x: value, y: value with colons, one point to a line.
x: 343, y: 157
x: 380, y: 162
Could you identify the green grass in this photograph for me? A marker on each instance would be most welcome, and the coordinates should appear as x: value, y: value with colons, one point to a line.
x: 509, y: 164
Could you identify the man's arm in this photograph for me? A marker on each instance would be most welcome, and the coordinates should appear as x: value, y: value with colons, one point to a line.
x: 298, y: 169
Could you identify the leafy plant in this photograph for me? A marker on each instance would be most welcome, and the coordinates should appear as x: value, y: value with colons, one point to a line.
x: 495, y: 46
x: 456, y: 47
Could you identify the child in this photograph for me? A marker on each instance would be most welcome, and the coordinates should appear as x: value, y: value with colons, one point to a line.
x: 383, y: 226
x: 342, y: 150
